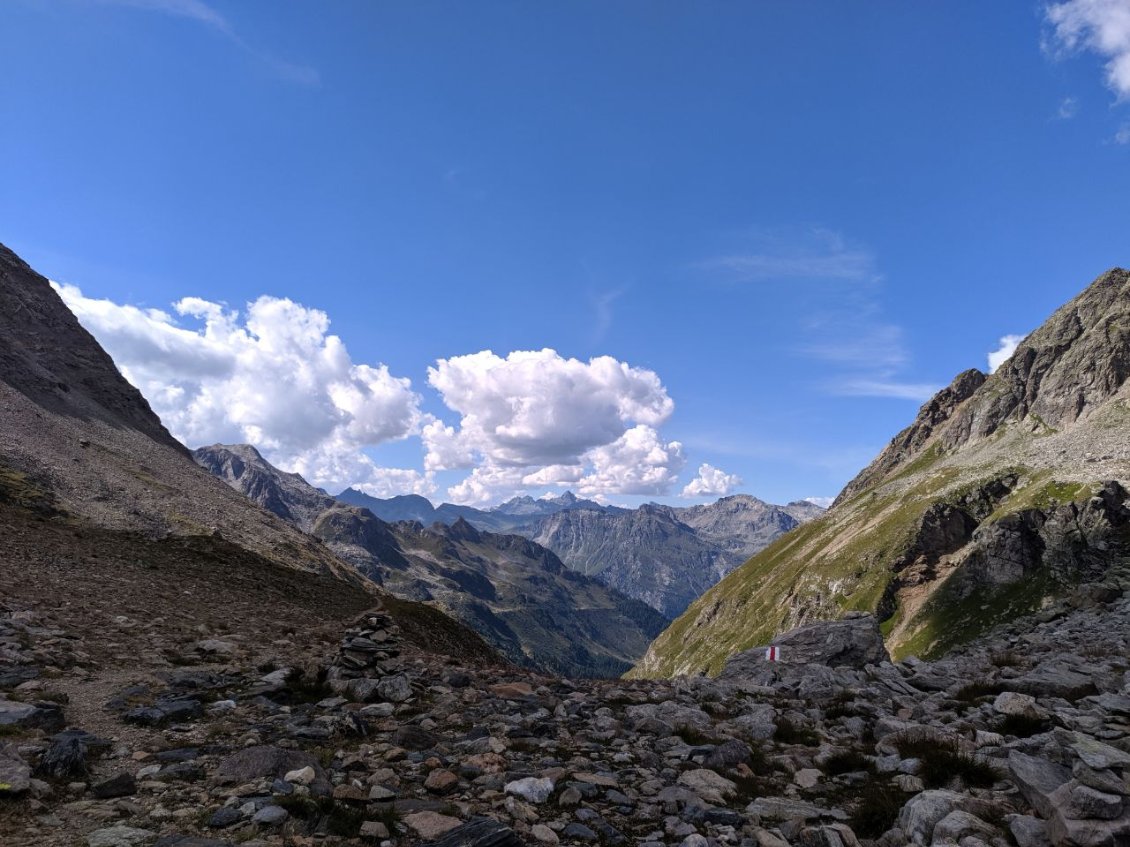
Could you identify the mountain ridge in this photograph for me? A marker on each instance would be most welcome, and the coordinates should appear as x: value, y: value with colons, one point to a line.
x: 1003, y: 492
x: 516, y: 594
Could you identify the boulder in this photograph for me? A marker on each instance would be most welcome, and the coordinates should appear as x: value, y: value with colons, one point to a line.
x: 854, y: 641
x: 265, y: 762
x: 1037, y: 780
x: 710, y: 786
x: 480, y: 832
x: 431, y: 825
x: 924, y: 811
x: 531, y: 789
x: 15, y: 775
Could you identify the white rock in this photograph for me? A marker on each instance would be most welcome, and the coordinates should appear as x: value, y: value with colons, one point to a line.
x: 710, y: 786
x: 531, y: 788
x: 302, y: 776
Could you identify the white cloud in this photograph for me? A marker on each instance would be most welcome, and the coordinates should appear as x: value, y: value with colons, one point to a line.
x: 1100, y: 26
x: 638, y: 462
x: 711, y: 482
x: 822, y: 502
x: 920, y: 391
x: 536, y: 418
x: 271, y: 376
x: 998, y: 357
x: 200, y: 12
x: 538, y: 408
x: 815, y: 253
x: 1068, y: 108
x: 1122, y: 136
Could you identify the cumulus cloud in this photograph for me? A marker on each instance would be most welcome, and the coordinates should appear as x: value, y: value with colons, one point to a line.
x: 822, y: 502
x: 711, y: 482
x: 998, y: 357
x: 271, y: 375
x: 535, y: 418
x: 1100, y: 26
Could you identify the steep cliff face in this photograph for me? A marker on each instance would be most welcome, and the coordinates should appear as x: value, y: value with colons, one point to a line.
x: 665, y: 556
x: 1004, y: 492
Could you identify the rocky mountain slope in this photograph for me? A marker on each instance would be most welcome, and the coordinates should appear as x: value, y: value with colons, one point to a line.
x: 665, y: 556
x: 74, y: 431
x: 187, y: 691
x: 513, y: 592
x: 296, y: 727
x: 1005, y: 491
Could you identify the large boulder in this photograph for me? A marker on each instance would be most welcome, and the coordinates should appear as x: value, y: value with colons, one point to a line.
x: 271, y: 762
x: 854, y: 641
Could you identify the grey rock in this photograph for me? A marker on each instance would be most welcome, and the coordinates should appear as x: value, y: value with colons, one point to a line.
x: 268, y: 762
x: 15, y: 774
x: 580, y: 832
x: 1085, y: 802
x: 854, y: 641
x: 1037, y: 780
x: 120, y: 785
x: 270, y: 816
x: 480, y: 832
x: 1096, y: 754
x: 412, y: 737
x: 783, y: 809
x: 394, y: 689
x: 224, y: 817
x: 958, y: 825
x: 1028, y: 831
x: 923, y: 812
x: 120, y: 836
x: 531, y: 788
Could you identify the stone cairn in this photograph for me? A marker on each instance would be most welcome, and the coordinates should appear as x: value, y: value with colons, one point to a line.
x: 367, y: 664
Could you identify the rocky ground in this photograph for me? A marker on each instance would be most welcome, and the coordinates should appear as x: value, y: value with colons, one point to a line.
x: 131, y: 731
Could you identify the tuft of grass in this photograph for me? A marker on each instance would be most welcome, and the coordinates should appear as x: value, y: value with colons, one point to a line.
x: 788, y: 732
x: 972, y: 693
x: 942, y: 762
x: 876, y: 809
x: 1006, y: 659
x: 1021, y: 726
x: 848, y: 761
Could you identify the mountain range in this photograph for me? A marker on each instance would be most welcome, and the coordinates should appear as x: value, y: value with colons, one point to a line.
x: 665, y: 556
x: 1006, y: 492
x: 515, y: 593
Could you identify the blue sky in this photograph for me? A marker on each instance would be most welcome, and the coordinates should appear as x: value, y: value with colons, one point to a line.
x: 775, y: 227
